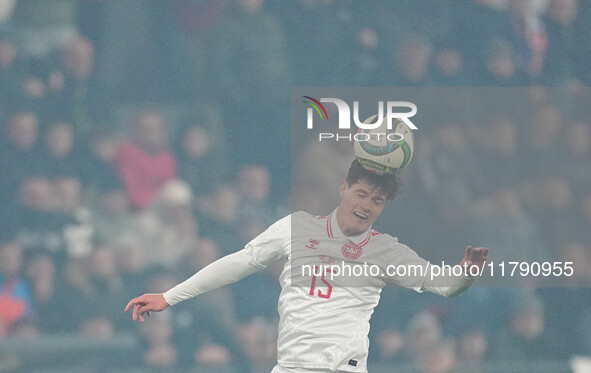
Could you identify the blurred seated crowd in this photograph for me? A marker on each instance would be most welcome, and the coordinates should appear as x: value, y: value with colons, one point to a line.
x: 97, y: 210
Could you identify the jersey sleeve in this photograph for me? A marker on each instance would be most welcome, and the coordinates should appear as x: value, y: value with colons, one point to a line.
x: 405, y: 267
x: 409, y: 270
x: 271, y: 245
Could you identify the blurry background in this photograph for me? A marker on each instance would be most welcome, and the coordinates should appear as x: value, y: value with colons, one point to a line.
x: 141, y: 140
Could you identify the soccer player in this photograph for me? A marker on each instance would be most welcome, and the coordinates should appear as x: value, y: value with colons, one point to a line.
x: 336, y: 268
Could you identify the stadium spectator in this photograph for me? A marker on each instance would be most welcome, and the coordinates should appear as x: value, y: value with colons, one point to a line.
x: 60, y: 156
x: 157, y: 344
x: 313, y: 181
x: 9, y: 70
x: 15, y: 294
x: 221, y: 302
x: 543, y: 126
x: 91, y: 18
x: 79, y: 59
x: 332, y: 20
x: 6, y: 9
x: 501, y: 221
x: 78, y: 230
x: 266, y: 65
x: 112, y: 217
x: 449, y: 69
x: 560, y: 64
x: 35, y: 221
x: 205, y: 120
x: 20, y: 157
x: 439, y: 358
x: 525, y: 337
x: 98, y: 288
x: 190, y: 337
x: 585, y: 213
x: 449, y: 183
x: 257, y: 212
x: 131, y: 261
x: 168, y: 229
x: 266, y: 285
x: 251, y: 70
x: 199, y: 22
x: 49, y: 293
x: 411, y: 65
x: 44, y: 27
x: 205, y: 341
x: 160, y: 354
x: 390, y: 346
x: 110, y: 206
x: 258, y: 338
x: 472, y: 348
x: 34, y: 87
x: 49, y: 215
x: 195, y: 158
x: 81, y: 99
x: 218, y: 216
x: 448, y: 173
x: 423, y: 334
x: 498, y: 138
x: 99, y: 172
x: 571, y: 333
x: 144, y: 163
x: 500, y: 66
x: 572, y: 297
x: 366, y: 61
x: 531, y: 41
x: 550, y: 199
x: 578, y: 253
x: 578, y: 152
x: 477, y: 23
x: 583, y: 49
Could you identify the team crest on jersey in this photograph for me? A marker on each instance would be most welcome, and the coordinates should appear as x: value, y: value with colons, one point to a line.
x: 351, y: 251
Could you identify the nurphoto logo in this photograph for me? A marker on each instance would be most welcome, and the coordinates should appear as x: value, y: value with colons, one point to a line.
x: 375, y: 122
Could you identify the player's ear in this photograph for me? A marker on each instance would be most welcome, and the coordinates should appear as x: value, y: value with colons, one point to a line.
x: 344, y: 186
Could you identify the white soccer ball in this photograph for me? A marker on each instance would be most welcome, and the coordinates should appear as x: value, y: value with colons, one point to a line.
x: 382, y: 150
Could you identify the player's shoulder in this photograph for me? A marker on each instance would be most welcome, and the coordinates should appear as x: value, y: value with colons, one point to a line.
x: 297, y: 217
x: 306, y: 217
x: 377, y: 236
x: 391, y: 243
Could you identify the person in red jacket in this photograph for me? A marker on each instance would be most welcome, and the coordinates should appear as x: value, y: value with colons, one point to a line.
x: 145, y: 163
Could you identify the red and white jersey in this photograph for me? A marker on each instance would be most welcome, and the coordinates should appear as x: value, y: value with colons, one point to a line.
x: 324, y: 318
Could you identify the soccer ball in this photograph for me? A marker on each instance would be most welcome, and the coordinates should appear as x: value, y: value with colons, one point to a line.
x: 381, y: 150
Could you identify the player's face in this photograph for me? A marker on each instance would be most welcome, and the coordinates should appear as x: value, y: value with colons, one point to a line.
x: 361, y: 204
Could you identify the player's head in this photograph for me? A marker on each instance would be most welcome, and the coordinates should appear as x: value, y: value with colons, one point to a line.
x: 387, y: 184
x: 363, y: 197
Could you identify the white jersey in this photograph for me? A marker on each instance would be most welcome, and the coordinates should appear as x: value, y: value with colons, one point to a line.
x: 324, y: 319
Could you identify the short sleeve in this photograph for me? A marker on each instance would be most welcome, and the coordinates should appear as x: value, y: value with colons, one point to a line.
x: 271, y: 245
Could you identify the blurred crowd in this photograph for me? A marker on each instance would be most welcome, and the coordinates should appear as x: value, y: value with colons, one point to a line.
x: 141, y: 141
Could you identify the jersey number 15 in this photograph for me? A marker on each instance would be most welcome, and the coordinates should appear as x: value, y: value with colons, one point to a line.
x: 324, y: 281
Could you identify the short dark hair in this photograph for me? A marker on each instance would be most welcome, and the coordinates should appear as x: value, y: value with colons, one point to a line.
x: 389, y: 184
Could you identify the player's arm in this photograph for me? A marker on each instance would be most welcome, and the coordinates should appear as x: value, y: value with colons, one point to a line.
x: 266, y: 248
x: 224, y: 271
x: 449, y: 285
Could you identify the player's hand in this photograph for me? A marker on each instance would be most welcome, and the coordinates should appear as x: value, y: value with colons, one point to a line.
x: 477, y: 256
x: 145, y: 304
